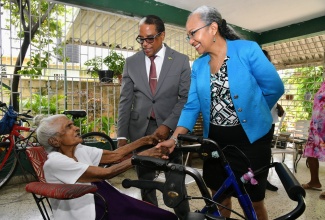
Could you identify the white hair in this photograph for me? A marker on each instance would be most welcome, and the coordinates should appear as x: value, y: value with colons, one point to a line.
x: 47, y: 129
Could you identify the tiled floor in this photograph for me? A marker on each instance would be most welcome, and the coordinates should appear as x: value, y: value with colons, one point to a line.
x: 16, y: 204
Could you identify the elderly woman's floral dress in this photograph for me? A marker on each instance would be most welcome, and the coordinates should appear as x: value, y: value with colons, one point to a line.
x: 315, y: 146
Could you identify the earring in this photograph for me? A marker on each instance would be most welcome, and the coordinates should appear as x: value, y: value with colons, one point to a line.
x: 214, y: 39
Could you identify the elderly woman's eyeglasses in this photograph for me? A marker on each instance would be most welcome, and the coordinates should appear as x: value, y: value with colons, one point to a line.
x: 149, y: 40
x: 191, y: 33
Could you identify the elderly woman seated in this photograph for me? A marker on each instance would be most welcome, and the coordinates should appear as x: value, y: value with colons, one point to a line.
x: 71, y: 162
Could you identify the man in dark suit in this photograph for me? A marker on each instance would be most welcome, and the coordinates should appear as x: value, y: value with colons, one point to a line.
x: 144, y: 111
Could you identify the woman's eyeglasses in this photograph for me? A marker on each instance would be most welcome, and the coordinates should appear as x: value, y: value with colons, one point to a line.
x: 149, y: 40
x: 191, y: 33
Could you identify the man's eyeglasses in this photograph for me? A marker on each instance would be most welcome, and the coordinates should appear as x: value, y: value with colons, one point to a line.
x: 191, y: 34
x: 149, y: 40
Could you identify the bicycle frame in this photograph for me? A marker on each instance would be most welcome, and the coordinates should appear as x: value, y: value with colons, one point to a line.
x: 243, y: 198
x: 15, y: 132
x: 13, y: 142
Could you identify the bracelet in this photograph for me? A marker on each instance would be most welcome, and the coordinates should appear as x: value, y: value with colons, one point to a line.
x: 175, y: 139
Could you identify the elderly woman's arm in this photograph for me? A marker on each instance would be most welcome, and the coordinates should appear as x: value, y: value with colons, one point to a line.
x: 116, y: 155
x: 93, y: 173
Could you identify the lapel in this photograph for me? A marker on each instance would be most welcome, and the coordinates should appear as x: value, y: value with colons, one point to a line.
x: 203, y: 80
x: 142, y: 72
x: 167, y: 63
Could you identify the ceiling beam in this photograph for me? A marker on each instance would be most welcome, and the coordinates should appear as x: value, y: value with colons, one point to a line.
x: 299, y: 30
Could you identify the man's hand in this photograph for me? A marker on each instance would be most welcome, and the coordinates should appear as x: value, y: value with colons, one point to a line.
x: 162, y: 132
x: 121, y: 142
x: 280, y: 110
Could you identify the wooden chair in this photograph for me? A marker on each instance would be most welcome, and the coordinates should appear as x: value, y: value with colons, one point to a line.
x: 42, y: 191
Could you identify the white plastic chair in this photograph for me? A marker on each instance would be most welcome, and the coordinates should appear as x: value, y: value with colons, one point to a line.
x: 280, y: 144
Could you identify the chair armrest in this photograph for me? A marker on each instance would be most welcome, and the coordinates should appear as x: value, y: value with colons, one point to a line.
x: 60, y: 191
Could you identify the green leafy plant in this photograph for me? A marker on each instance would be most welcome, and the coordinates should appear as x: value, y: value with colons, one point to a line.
x: 37, y: 24
x: 36, y: 65
x: 307, y: 81
x: 42, y: 104
x: 94, y: 65
x: 115, y: 62
x: 104, y: 124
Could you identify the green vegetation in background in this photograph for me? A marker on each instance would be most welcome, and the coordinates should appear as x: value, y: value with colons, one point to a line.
x: 37, y: 23
x: 306, y: 80
x: 113, y: 61
x: 42, y: 104
x: 102, y: 124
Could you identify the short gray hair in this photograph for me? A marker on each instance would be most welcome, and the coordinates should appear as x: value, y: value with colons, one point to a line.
x: 47, y: 129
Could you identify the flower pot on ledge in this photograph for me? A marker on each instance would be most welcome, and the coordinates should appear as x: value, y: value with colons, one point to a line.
x: 289, y: 97
x: 105, y: 76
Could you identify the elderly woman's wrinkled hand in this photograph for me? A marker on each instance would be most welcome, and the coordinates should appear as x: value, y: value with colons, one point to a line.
x: 149, y: 140
x: 161, y: 152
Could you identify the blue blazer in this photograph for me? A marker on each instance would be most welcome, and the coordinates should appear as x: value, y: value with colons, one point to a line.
x: 254, y: 84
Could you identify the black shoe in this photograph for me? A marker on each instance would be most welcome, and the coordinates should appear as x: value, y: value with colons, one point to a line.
x: 271, y: 187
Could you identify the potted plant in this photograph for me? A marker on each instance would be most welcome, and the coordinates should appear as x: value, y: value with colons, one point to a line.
x: 95, y: 69
x: 115, y: 62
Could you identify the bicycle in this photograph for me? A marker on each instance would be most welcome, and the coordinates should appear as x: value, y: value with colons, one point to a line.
x: 13, y: 142
x: 207, y: 148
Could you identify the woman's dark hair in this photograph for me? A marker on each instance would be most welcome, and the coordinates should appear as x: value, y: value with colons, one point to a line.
x: 209, y: 14
x: 155, y: 20
x: 267, y: 55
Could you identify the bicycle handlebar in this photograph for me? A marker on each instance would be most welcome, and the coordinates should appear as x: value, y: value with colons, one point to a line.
x: 24, y: 115
x: 2, y: 104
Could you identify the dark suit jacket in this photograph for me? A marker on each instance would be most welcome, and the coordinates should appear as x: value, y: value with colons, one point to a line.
x: 136, y: 99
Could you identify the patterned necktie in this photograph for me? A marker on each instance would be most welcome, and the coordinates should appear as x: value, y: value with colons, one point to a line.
x: 153, y: 80
x: 153, y: 75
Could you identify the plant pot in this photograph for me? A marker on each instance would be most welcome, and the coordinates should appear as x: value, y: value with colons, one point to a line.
x: 105, y: 76
x: 119, y: 77
x: 289, y: 97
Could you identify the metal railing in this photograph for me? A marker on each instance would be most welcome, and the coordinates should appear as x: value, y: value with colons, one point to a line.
x: 48, y: 95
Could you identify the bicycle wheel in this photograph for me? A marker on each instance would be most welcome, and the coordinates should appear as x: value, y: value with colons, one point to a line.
x: 98, y: 139
x: 9, y: 165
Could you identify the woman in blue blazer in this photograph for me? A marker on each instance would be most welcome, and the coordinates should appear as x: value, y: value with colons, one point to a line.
x: 234, y: 86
